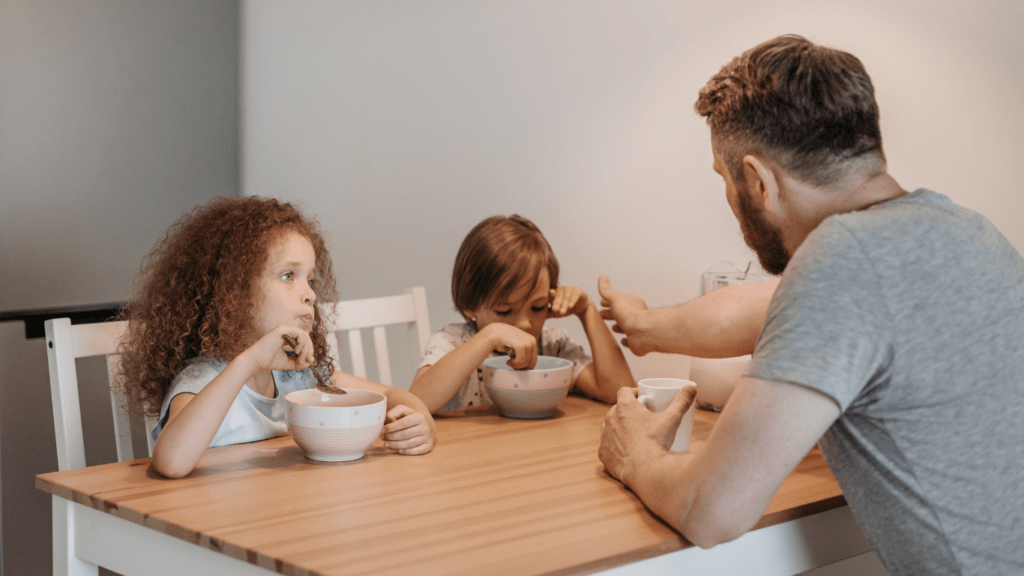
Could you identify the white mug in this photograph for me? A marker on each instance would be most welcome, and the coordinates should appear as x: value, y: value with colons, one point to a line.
x: 656, y: 394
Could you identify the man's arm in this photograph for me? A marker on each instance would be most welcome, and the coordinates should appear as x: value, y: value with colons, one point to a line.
x: 719, y: 492
x: 720, y: 324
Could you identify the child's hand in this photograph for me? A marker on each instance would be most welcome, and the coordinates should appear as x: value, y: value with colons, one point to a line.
x: 271, y: 352
x: 566, y: 300
x: 408, y: 431
x: 523, y: 344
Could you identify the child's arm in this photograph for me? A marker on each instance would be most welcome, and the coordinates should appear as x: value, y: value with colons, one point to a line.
x: 193, y: 419
x: 609, y: 370
x: 408, y: 427
x: 438, y: 383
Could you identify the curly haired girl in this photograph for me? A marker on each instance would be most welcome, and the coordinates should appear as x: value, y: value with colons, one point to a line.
x: 204, y: 351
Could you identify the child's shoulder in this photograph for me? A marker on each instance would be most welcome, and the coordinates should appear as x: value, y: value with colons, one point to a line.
x: 199, y: 369
x: 459, y: 330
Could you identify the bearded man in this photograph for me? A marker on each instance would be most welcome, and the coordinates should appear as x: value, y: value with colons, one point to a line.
x: 894, y: 337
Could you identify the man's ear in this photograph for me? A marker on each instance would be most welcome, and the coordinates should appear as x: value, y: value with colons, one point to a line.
x: 762, y: 181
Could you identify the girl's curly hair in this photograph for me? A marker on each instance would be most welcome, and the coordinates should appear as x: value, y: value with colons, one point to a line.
x: 197, y: 289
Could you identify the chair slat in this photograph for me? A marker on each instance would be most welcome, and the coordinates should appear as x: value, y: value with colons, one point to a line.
x: 119, y: 407
x: 355, y: 347
x: 380, y: 346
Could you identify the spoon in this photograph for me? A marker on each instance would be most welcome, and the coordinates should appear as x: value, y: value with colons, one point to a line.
x: 320, y: 384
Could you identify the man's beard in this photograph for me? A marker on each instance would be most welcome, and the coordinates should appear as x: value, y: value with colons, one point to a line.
x: 761, y: 236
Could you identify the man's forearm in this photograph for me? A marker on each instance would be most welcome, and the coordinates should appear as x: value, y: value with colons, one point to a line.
x: 721, y: 324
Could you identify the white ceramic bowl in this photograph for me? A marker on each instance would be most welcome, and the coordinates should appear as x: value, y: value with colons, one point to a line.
x: 527, y: 393
x: 335, y: 427
x: 716, y: 378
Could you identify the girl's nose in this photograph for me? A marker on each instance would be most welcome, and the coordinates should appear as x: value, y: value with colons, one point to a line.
x: 523, y: 322
x: 309, y: 296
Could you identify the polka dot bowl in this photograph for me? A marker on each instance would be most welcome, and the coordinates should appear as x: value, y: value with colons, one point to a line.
x: 528, y: 394
x: 335, y: 427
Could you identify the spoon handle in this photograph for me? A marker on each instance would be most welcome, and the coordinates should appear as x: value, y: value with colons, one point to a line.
x: 321, y: 385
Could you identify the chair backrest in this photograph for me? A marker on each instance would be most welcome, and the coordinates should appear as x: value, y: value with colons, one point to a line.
x: 352, y: 316
x: 65, y: 343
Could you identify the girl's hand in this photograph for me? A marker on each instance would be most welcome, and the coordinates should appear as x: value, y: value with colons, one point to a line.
x: 523, y: 344
x: 271, y: 352
x: 566, y: 300
x: 408, y: 431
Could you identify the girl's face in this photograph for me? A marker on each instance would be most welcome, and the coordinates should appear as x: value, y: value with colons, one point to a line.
x: 287, y: 294
x: 525, y: 308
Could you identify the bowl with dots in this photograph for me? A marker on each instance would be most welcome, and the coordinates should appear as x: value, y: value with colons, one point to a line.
x: 335, y: 427
x: 529, y: 394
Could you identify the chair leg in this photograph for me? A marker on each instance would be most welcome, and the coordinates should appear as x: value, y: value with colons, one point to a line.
x: 65, y: 562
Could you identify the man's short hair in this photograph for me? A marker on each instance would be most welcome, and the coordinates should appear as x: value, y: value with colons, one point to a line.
x: 808, y: 108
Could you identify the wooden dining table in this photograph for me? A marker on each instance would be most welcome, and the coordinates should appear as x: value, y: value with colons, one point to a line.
x: 496, y: 496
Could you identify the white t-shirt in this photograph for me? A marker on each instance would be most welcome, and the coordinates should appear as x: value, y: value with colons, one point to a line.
x: 252, y: 416
x: 553, y: 342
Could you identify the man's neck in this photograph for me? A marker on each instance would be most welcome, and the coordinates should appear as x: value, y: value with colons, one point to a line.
x: 874, y: 190
x: 811, y: 205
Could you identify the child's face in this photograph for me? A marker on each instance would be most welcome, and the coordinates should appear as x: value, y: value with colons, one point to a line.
x: 525, y: 308
x: 288, y: 296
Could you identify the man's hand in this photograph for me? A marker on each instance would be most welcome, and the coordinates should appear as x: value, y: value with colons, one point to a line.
x: 627, y: 312
x: 632, y: 435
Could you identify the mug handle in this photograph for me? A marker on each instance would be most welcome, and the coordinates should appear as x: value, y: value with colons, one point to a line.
x: 645, y: 400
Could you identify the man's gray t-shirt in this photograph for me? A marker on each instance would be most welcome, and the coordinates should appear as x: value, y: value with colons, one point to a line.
x: 910, y: 315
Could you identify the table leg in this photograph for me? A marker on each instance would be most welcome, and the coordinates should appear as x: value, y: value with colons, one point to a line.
x: 65, y: 562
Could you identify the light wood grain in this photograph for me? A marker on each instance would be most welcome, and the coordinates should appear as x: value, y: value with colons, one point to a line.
x: 496, y: 495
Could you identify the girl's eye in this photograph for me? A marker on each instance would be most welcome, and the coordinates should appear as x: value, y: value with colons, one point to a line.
x: 503, y: 312
x: 287, y: 276
x: 539, y: 308
x: 310, y: 282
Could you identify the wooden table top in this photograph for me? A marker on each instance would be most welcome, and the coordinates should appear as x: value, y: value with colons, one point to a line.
x: 496, y: 495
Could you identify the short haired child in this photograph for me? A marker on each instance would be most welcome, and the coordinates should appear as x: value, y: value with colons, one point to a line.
x: 505, y: 284
x: 205, y: 350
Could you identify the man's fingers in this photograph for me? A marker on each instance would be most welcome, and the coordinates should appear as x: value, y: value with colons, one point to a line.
x: 683, y: 399
x: 626, y: 393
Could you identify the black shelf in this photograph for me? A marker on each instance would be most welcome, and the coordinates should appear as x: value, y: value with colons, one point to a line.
x: 34, y: 319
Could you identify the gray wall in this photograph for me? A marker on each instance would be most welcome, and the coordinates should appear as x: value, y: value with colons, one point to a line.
x: 115, y: 117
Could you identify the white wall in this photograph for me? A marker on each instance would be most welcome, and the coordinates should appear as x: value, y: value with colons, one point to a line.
x: 402, y: 124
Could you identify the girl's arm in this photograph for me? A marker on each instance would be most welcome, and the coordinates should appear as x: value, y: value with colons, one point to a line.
x: 609, y: 370
x: 438, y: 383
x: 193, y: 419
x: 408, y: 427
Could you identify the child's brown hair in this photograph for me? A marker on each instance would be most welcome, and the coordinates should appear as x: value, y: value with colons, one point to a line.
x: 496, y: 256
x: 197, y: 290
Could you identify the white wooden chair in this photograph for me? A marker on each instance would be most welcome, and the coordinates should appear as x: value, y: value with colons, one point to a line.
x: 65, y: 343
x: 353, y: 316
